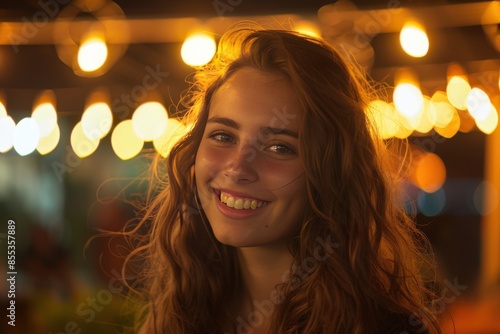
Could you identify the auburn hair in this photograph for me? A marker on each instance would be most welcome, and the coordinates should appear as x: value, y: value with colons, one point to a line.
x: 374, y: 273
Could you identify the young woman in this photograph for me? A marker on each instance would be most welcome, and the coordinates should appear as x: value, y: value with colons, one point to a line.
x: 277, y: 212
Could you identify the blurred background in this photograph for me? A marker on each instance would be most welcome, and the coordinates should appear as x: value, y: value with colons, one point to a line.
x: 89, y: 90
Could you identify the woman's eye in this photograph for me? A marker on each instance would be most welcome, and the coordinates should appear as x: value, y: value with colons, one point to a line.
x: 222, y: 137
x: 281, y: 149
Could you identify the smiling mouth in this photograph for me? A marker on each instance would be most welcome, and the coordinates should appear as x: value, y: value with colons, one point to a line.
x: 240, y: 203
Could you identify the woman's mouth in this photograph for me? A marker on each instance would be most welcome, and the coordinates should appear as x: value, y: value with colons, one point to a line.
x: 240, y: 203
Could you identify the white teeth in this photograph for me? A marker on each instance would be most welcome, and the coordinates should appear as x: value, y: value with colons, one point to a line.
x: 240, y: 203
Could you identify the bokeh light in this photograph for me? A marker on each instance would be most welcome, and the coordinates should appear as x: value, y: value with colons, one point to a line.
x: 428, y: 116
x: 97, y: 120
x: 457, y: 91
x: 486, y: 198
x: 26, y: 136
x: 452, y: 127
x: 7, y: 126
x: 383, y: 118
x: 45, y: 116
x: 431, y: 204
x: 444, y: 110
x: 174, y: 131
x: 92, y: 54
x: 429, y: 171
x: 414, y: 40
x: 478, y: 103
x: 81, y: 144
x: 48, y: 143
x: 3, y: 111
x: 198, y: 49
x: 408, y: 99
x: 150, y: 120
x: 124, y: 140
x: 490, y: 121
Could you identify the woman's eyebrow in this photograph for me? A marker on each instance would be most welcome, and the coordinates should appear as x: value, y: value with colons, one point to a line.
x: 268, y: 129
x: 224, y: 121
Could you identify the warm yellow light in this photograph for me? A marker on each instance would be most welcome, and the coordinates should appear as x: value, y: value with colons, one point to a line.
x: 198, y: 49
x: 451, y: 128
x: 125, y: 142
x: 490, y: 122
x: 150, y: 120
x: 307, y: 28
x: 383, y: 118
x: 443, y: 109
x: 97, y: 120
x: 403, y: 127
x: 467, y: 123
x: 3, y: 111
x: 457, y: 91
x: 428, y: 117
x: 45, y: 116
x: 408, y: 99
x: 414, y: 40
x: 478, y: 104
x: 429, y: 173
x: 92, y: 54
x: 174, y: 131
x: 82, y: 146
x: 7, y: 126
x: 48, y: 143
x: 26, y: 136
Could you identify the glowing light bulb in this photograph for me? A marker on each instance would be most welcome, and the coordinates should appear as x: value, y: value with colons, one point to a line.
x: 125, y: 142
x: 48, y: 143
x: 3, y: 111
x: 490, y: 121
x: 428, y: 117
x: 429, y: 172
x: 408, y: 99
x: 7, y: 126
x: 478, y: 104
x: 174, y: 131
x: 81, y: 144
x: 26, y: 136
x: 382, y: 115
x: 46, y: 117
x: 457, y: 90
x: 149, y: 120
x: 97, y: 120
x: 92, y: 54
x: 414, y: 40
x: 198, y: 49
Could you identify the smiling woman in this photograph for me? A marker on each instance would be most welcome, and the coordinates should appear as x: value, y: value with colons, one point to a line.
x: 242, y: 160
x: 278, y: 211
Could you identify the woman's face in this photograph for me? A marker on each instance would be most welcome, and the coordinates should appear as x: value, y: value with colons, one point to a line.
x: 249, y: 176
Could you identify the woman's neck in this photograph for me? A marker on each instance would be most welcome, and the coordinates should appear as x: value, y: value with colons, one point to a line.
x: 262, y: 269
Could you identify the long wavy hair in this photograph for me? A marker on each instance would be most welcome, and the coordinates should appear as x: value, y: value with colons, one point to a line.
x: 190, y: 279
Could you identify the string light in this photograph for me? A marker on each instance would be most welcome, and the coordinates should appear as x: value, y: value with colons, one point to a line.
x: 81, y: 144
x: 126, y: 144
x: 414, y: 40
x: 26, y: 136
x: 48, y: 143
x: 7, y: 126
x: 198, y: 49
x: 97, y: 120
x: 92, y: 54
x: 150, y: 120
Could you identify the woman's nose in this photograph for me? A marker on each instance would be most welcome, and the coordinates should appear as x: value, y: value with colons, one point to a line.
x: 241, y: 163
